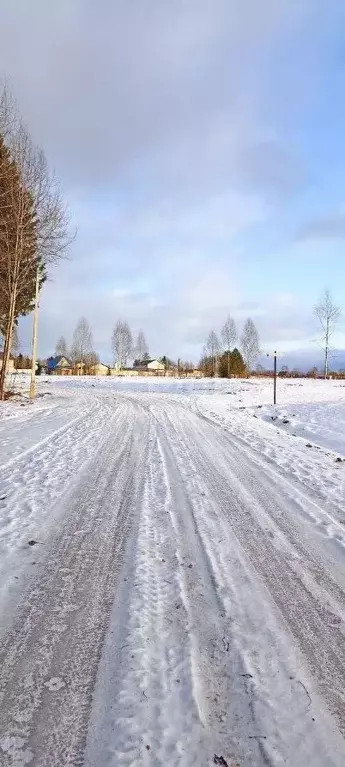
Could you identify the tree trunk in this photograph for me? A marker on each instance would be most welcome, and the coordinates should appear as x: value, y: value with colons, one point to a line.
x: 326, y: 348
x: 228, y: 364
x: 326, y: 362
x: 7, y: 344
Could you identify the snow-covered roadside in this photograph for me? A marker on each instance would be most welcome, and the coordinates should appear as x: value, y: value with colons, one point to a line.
x: 322, y: 423
x: 309, y: 448
x: 43, y: 448
x: 25, y: 424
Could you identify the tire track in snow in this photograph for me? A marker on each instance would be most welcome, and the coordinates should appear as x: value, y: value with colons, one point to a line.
x: 39, y: 419
x: 30, y: 489
x: 290, y: 465
x: 174, y: 687
x: 151, y: 686
x: 317, y: 630
x: 49, y: 658
x: 194, y: 499
x: 218, y: 667
x: 247, y: 557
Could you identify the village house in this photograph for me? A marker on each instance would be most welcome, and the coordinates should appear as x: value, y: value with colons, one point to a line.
x: 59, y: 366
x: 100, y: 369
x: 149, y: 367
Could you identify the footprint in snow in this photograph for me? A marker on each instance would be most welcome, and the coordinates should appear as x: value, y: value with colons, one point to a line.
x: 54, y: 684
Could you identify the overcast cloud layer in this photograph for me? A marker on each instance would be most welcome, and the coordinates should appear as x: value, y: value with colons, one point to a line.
x: 199, y: 144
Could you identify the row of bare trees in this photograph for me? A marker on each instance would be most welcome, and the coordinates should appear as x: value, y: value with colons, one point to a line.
x: 124, y: 347
x: 82, y: 349
x: 34, y: 223
x: 326, y: 311
x: 225, y: 343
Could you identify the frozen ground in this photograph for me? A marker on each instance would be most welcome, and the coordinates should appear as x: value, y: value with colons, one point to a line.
x: 184, y: 602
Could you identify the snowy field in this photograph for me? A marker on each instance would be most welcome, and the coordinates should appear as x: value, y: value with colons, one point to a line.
x: 172, y: 573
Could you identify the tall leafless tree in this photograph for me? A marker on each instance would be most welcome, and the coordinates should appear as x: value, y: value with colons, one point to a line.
x: 91, y: 363
x: 82, y: 345
x: 141, y: 349
x: 250, y: 344
x: 328, y: 315
x: 212, y: 350
x: 121, y: 343
x: 229, y: 337
x: 61, y: 347
x: 34, y: 222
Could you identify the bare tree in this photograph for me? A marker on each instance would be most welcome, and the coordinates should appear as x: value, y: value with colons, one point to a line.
x: 91, y: 362
x: 121, y: 343
x: 250, y: 344
x: 61, y: 347
x: 141, y: 349
x: 34, y: 222
x: 229, y: 337
x: 82, y: 344
x: 17, y: 248
x: 212, y: 350
x: 328, y: 315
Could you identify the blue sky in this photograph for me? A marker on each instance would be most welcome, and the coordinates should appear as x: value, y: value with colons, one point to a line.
x: 200, y: 144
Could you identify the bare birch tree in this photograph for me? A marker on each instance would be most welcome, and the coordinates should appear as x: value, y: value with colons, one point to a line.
x: 250, y: 344
x: 34, y: 222
x: 82, y: 345
x: 91, y: 362
x: 141, y: 349
x: 212, y: 350
x: 61, y: 347
x: 122, y: 344
x: 328, y: 315
x: 229, y: 337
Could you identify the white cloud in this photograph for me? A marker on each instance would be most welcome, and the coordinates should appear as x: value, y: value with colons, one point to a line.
x: 155, y: 115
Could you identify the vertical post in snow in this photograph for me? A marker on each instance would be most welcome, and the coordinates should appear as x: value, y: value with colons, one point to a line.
x: 275, y: 379
x: 327, y: 350
x: 34, y: 340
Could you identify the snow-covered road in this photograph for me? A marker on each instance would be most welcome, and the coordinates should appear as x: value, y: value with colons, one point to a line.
x: 187, y: 609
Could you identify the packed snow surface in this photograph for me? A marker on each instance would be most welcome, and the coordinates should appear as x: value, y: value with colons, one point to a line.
x: 172, y: 573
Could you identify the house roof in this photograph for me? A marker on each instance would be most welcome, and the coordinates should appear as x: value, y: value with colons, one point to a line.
x: 145, y: 363
x: 53, y: 362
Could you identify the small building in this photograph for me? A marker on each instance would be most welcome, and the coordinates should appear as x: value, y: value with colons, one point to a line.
x: 59, y: 366
x: 153, y: 366
x: 100, y: 369
x: 10, y: 365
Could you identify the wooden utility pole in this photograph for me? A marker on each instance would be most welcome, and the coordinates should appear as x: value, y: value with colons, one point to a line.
x: 34, y: 339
